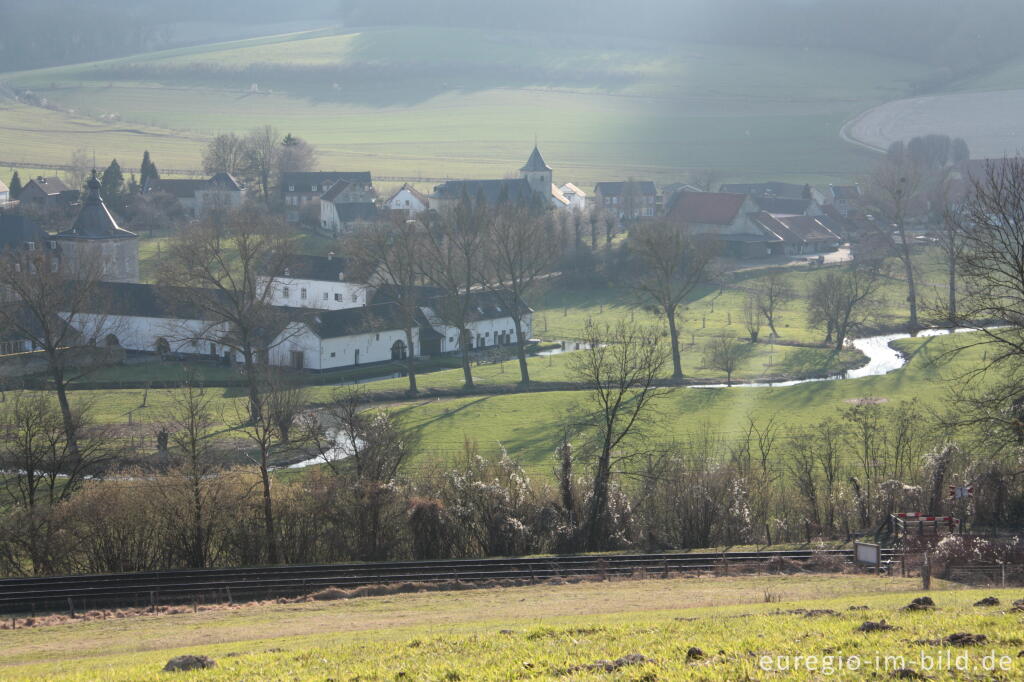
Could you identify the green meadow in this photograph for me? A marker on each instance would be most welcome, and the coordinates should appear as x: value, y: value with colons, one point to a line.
x: 700, y: 628
x: 439, y: 102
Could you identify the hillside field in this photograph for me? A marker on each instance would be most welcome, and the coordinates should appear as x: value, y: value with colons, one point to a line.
x: 433, y: 102
x: 542, y: 631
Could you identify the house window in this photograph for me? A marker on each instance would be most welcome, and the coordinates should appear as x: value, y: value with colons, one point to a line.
x: 286, y: 293
x: 339, y: 298
x: 333, y: 354
x: 53, y: 246
x: 355, y: 297
x: 325, y: 295
x: 291, y: 188
x: 54, y: 265
x: 302, y: 294
x: 31, y: 246
x: 378, y: 337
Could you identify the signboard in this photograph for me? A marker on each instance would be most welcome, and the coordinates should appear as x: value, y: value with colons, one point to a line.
x: 867, y: 554
x: 960, y: 492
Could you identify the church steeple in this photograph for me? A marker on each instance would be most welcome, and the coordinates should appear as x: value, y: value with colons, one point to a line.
x: 537, y: 173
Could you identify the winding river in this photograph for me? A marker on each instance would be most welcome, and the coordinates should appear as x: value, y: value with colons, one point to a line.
x: 882, y: 359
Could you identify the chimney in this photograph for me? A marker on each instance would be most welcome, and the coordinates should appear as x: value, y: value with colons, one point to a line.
x: 330, y: 255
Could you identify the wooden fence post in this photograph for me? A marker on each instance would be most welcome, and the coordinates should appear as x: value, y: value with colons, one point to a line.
x: 926, y: 573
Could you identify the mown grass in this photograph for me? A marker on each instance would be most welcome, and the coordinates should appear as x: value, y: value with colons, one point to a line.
x: 540, y: 632
x: 466, y: 103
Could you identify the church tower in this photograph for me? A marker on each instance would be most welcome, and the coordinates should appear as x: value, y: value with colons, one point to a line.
x: 96, y: 237
x: 537, y: 174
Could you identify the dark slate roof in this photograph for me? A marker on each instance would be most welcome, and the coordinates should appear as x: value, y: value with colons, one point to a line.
x: 304, y: 179
x: 331, y: 324
x: 617, y: 189
x: 483, y: 305
x: 181, y: 189
x: 140, y: 300
x: 711, y: 208
x: 49, y: 186
x: 94, y: 220
x: 224, y: 182
x: 493, y: 191
x: 535, y: 162
x: 17, y: 229
x: 785, y: 190
x: 353, y: 212
x: 782, y: 205
x: 319, y: 268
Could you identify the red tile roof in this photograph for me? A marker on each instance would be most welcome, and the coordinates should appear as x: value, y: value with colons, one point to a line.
x: 712, y: 208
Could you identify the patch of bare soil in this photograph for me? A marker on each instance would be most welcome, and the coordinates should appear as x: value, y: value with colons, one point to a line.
x: 872, y: 626
x: 965, y: 639
x: 920, y: 604
x: 610, y: 666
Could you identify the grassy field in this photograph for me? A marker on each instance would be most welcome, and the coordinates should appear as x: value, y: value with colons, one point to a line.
x: 529, y: 425
x: 424, y: 101
x: 540, y: 632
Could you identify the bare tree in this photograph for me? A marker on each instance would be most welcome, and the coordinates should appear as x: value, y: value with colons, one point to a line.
x: 520, y: 248
x: 620, y: 371
x: 671, y: 264
x: 262, y: 153
x: 894, y: 193
x: 452, y: 259
x: 224, y: 154
x: 841, y: 301
x: 295, y: 154
x: 224, y: 271
x: 990, y: 229
x: 705, y: 179
x: 390, y: 250
x: 725, y: 353
x: 42, y: 468
x: 772, y: 292
x: 188, y: 428
x: 752, y: 317
x: 78, y: 168
x: 57, y: 306
x: 366, y: 448
x: 280, y: 400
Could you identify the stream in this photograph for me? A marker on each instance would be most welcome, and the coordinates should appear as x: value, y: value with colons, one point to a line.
x: 882, y: 359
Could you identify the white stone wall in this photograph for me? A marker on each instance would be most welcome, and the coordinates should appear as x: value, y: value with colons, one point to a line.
x: 319, y: 294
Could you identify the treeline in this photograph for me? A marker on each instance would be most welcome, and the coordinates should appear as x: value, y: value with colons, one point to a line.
x: 381, y: 502
x: 68, y: 31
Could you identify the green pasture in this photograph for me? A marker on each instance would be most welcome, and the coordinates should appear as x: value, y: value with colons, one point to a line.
x: 702, y: 628
x: 425, y: 101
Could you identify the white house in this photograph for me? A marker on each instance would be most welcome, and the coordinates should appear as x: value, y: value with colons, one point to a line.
x: 344, y: 338
x: 489, y: 321
x: 301, y: 188
x: 407, y: 198
x: 346, y: 203
x: 317, y: 282
x: 577, y: 197
x: 5, y: 193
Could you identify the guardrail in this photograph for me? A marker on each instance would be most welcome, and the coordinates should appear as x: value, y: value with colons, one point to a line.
x: 83, y: 592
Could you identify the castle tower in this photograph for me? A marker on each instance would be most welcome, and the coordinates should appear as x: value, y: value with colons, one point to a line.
x: 95, y: 235
x: 537, y: 174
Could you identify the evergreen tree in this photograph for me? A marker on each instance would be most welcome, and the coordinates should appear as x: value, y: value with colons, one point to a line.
x: 112, y: 186
x: 15, y: 186
x: 148, y: 170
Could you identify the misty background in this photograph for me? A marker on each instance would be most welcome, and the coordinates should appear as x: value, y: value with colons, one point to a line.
x: 956, y: 38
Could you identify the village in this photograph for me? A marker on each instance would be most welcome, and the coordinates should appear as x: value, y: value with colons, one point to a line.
x: 340, y: 317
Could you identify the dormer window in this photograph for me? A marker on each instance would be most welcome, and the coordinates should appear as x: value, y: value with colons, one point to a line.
x: 287, y: 273
x: 291, y: 188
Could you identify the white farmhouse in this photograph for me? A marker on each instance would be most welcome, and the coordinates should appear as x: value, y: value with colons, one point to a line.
x: 318, y: 282
x: 408, y: 199
x: 576, y: 197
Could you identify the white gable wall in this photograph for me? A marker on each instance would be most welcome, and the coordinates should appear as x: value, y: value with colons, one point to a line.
x: 320, y: 294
